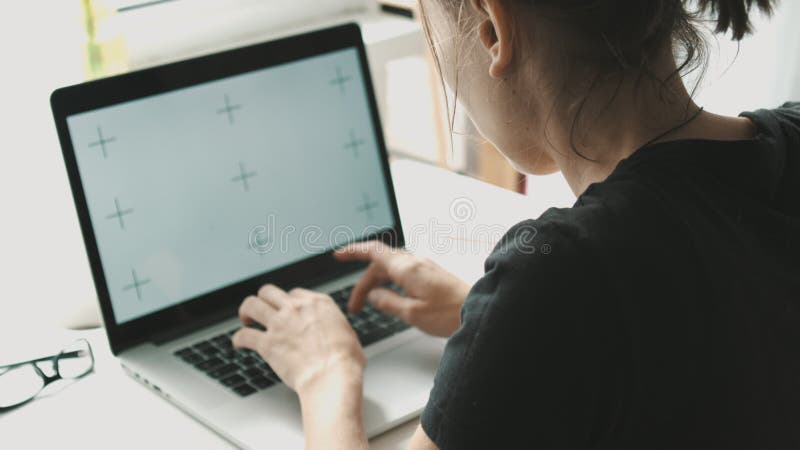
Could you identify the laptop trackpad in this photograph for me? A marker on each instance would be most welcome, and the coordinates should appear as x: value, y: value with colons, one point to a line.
x: 397, y: 383
x: 396, y: 388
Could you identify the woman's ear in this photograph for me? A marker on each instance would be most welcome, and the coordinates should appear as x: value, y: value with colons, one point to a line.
x: 495, y: 33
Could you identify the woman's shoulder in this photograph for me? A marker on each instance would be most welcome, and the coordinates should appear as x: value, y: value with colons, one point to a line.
x: 597, y: 221
x: 539, y: 328
x: 789, y: 111
x: 539, y: 261
x: 574, y: 253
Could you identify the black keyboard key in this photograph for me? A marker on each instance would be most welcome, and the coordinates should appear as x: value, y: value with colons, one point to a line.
x: 253, y: 372
x: 366, y: 339
x: 209, y: 351
x: 341, y: 294
x: 387, y: 324
x: 210, y: 364
x: 202, y: 345
x: 224, y: 344
x: 184, y: 351
x: 262, y: 382
x: 233, y: 380
x: 222, y: 371
x: 399, y: 325
x: 376, y: 317
x: 274, y: 377
x: 229, y: 355
x: 242, y: 367
x: 267, y: 370
x: 369, y: 316
x: 249, y: 361
x: 367, y: 327
x: 244, y: 390
x: 193, y: 358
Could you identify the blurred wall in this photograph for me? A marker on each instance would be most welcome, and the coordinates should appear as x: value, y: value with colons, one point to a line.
x: 765, y: 72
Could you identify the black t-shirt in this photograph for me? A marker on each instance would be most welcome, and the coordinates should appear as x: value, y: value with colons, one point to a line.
x: 661, y: 311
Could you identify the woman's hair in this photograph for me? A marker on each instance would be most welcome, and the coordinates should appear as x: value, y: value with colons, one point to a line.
x: 734, y: 15
x: 624, y: 36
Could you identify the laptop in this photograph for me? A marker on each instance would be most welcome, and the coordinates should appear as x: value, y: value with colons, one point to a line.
x: 199, y: 181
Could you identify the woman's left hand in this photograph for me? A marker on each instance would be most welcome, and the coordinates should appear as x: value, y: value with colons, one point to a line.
x: 307, y: 338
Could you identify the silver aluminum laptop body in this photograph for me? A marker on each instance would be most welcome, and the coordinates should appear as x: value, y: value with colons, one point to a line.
x: 397, y: 383
x: 195, y: 182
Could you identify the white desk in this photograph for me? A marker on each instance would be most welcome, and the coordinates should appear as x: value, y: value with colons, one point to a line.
x: 109, y: 410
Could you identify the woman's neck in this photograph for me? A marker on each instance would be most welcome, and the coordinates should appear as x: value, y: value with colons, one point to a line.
x: 618, y: 119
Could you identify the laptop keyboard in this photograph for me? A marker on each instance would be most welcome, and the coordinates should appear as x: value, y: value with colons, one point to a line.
x: 244, y: 372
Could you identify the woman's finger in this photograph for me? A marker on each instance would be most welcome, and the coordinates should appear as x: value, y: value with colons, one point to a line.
x: 273, y: 295
x: 374, y: 276
x: 248, y: 338
x: 300, y: 292
x: 255, y: 310
x: 363, y: 251
x: 390, y: 302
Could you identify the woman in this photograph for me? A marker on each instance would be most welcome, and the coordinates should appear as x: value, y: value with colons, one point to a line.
x: 667, y: 313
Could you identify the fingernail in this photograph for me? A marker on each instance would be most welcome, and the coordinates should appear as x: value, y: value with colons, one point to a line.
x: 372, y: 296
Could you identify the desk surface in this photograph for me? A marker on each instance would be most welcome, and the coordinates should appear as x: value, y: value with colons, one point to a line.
x: 445, y: 217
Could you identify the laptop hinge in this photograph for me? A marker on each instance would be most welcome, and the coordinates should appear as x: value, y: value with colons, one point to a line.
x: 162, y: 337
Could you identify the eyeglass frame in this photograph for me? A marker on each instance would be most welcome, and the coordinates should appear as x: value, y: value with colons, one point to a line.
x: 46, y: 379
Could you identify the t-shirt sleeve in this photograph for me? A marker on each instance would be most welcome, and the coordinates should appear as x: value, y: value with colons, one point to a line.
x: 538, y: 360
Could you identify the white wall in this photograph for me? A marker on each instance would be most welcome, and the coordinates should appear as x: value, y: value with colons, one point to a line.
x: 766, y: 71
x: 42, y: 262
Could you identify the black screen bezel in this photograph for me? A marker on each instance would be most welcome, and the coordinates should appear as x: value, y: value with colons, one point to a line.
x: 104, y: 92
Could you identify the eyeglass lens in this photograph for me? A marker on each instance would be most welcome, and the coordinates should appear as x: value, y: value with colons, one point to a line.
x: 75, y: 360
x: 19, y: 385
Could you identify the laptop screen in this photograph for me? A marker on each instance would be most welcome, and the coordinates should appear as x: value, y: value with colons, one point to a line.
x: 199, y: 188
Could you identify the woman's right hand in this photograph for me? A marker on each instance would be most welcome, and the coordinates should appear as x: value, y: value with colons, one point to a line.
x: 434, y: 295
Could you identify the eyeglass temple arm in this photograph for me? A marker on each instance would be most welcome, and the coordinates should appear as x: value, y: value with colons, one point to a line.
x: 73, y: 354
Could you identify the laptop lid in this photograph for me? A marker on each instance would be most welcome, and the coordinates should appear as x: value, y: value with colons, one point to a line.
x: 199, y: 181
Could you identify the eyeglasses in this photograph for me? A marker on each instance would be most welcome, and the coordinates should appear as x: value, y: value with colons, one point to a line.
x: 22, y: 382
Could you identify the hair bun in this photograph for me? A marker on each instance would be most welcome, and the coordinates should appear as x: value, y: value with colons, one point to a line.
x: 734, y: 15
